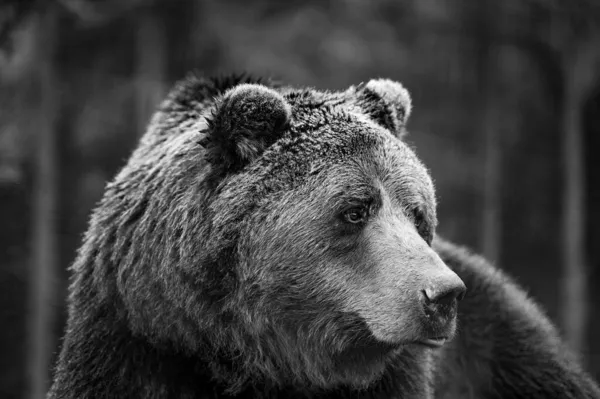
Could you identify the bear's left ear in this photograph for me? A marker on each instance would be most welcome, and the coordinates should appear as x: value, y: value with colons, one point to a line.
x: 247, y: 119
x: 386, y: 102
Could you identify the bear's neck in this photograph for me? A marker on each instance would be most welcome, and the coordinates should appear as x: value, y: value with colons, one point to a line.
x: 112, y: 362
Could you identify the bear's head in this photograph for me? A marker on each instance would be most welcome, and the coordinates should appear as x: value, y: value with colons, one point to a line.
x: 283, y: 236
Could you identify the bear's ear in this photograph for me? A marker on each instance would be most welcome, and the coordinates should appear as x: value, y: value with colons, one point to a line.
x: 386, y: 102
x: 247, y: 119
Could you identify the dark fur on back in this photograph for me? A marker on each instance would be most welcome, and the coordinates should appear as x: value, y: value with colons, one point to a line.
x: 162, y: 306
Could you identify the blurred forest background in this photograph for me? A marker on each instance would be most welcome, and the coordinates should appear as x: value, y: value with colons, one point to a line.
x: 507, y: 117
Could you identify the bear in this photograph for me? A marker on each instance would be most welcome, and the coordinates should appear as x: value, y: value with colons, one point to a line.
x: 267, y: 241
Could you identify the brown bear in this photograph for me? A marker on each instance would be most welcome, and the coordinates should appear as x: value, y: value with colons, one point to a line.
x: 266, y: 241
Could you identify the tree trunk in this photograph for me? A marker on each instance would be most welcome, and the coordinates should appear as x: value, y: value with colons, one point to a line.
x: 573, y: 216
x: 492, y: 195
x: 151, y: 66
x: 580, y: 73
x: 486, y: 13
x: 44, y: 258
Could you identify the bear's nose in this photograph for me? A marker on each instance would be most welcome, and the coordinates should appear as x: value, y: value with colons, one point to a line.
x: 440, y: 302
x: 444, y: 295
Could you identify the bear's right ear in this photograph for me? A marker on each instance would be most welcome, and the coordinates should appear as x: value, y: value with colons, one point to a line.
x: 387, y: 102
x: 247, y: 119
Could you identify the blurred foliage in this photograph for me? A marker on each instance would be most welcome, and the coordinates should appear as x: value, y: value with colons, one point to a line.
x: 476, y: 70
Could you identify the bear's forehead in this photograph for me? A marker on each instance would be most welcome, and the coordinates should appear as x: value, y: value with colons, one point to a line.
x: 327, y: 129
x: 327, y: 134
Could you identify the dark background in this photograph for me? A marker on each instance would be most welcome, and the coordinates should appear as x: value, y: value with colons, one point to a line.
x: 506, y: 115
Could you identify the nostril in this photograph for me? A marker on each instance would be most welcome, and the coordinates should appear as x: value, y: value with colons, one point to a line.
x: 444, y: 296
x: 462, y: 293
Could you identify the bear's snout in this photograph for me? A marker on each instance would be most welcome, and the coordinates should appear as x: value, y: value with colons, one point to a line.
x: 441, y: 297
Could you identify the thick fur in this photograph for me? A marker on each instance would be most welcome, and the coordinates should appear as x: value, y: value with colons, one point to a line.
x: 213, y: 267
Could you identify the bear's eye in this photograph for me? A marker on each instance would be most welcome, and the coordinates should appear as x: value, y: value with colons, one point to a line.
x: 421, y: 224
x: 418, y: 218
x: 356, y: 215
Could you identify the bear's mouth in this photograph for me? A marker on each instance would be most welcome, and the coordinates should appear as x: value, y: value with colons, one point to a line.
x: 435, y: 342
